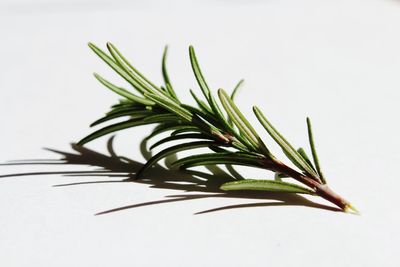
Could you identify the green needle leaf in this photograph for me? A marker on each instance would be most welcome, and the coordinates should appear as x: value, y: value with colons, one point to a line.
x: 169, y: 151
x: 218, y: 158
x: 166, y: 78
x: 124, y: 125
x: 110, y: 129
x: 115, y: 115
x: 123, y: 92
x: 130, y: 108
x: 115, y: 66
x: 236, y: 89
x: 314, y: 151
x: 303, y: 153
x: 198, y: 74
x: 165, y: 127
x: 141, y: 81
x: 266, y: 185
x: 205, y: 89
x: 213, y: 122
x: 292, y: 154
x: 233, y: 95
x: 240, y: 121
x: 170, y: 105
x: 201, y: 103
x: 186, y: 129
x: 179, y: 137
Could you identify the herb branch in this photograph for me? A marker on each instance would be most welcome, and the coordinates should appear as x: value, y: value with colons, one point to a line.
x: 217, y: 125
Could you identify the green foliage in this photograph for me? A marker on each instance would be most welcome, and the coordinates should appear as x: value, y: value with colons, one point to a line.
x: 266, y: 185
x: 287, y: 148
x: 219, y: 126
x: 234, y: 158
x: 314, y: 151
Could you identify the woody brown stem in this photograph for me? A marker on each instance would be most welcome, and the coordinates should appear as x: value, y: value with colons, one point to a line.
x: 320, y: 189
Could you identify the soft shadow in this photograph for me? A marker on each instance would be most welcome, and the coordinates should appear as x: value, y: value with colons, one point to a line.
x: 193, y: 184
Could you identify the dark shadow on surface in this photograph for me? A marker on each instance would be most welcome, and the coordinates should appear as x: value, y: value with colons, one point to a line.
x: 199, y: 184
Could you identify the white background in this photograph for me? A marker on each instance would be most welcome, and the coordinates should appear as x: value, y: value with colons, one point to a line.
x: 336, y: 61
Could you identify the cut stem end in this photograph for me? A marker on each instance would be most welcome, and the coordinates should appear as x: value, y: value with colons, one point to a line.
x: 351, y: 209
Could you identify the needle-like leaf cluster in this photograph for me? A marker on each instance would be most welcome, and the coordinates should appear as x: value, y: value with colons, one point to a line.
x: 214, y: 123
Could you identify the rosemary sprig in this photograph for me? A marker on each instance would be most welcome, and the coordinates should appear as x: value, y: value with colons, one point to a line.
x: 221, y: 127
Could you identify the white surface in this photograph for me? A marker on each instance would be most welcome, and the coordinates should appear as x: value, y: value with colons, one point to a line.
x: 336, y: 61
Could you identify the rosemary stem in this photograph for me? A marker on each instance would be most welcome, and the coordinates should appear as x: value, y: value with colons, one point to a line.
x: 320, y: 189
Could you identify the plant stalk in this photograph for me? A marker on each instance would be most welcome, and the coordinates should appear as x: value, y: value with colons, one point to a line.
x: 320, y: 189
